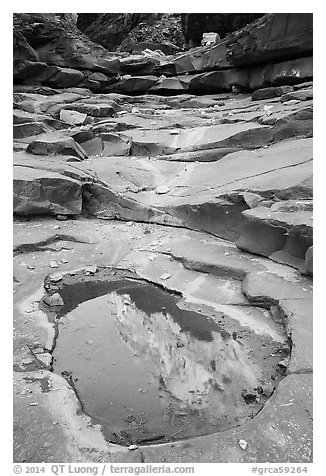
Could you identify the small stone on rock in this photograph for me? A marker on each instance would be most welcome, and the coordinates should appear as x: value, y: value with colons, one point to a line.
x: 165, y: 276
x: 54, y: 300
x: 132, y: 447
x: 91, y: 269
x: 54, y: 264
x: 54, y: 278
x: 243, y: 444
x: 267, y: 389
x: 162, y: 189
x: 292, y: 101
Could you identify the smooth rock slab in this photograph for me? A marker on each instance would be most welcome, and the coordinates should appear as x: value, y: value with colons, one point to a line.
x: 45, y: 192
x: 301, y: 95
x: 150, y: 143
x: 286, y: 225
x: 298, y: 318
x: 268, y: 93
x: 270, y: 288
x: 114, y: 144
x: 309, y: 260
x: 29, y: 129
x: 72, y: 117
x: 281, y: 432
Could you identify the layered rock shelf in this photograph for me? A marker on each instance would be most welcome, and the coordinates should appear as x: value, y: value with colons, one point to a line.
x: 192, y: 172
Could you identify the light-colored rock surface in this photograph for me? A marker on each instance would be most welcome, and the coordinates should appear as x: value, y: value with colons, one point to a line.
x: 209, y: 273
x: 208, y: 196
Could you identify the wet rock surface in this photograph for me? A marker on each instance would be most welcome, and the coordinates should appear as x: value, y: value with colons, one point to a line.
x: 148, y: 370
x: 206, y: 198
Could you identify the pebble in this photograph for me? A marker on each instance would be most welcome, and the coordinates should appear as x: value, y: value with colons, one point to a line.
x: 61, y: 217
x: 243, y: 444
x: 29, y: 266
x: 27, y: 361
x: 162, y: 189
x: 33, y: 404
x: 132, y: 447
x: 165, y: 276
x: 54, y: 278
x: 91, y: 269
x: 54, y: 264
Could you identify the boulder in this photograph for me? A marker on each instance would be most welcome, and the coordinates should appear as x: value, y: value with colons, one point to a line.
x: 66, y: 146
x: 99, y: 77
x: 72, y: 117
x: 28, y: 129
x: 40, y: 191
x: 273, y: 92
x: 169, y: 85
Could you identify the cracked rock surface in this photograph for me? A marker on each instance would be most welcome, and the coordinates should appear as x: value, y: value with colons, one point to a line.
x: 208, y: 196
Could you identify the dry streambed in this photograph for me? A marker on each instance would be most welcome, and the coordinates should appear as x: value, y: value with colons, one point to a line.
x: 171, y: 299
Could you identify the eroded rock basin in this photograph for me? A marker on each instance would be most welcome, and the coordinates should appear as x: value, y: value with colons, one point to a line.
x: 148, y: 368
